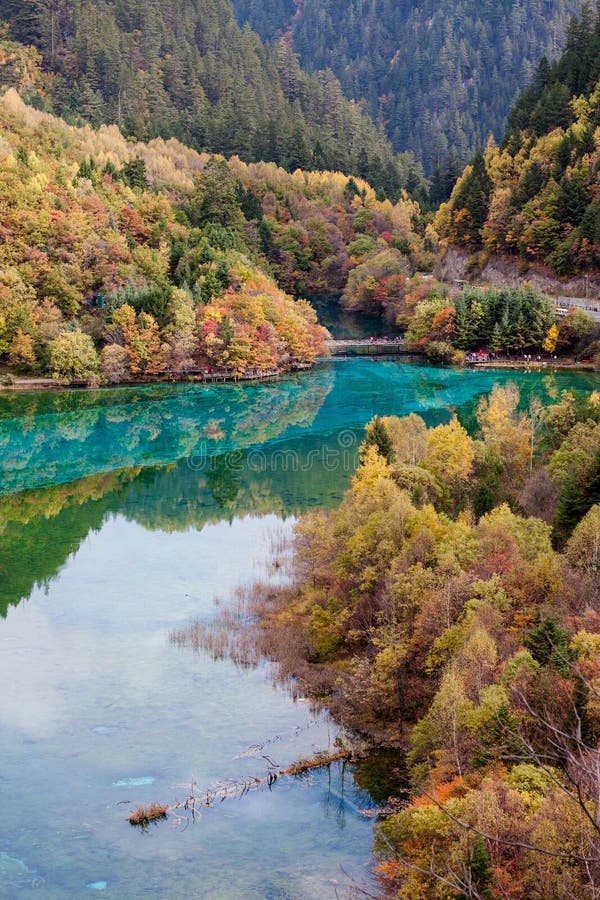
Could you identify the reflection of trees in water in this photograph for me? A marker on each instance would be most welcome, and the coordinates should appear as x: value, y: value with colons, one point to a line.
x: 40, y: 529
x: 67, y: 435
x: 127, y: 428
x: 50, y: 438
x: 334, y: 799
x: 226, y: 486
x: 223, y: 479
x: 355, y: 786
x: 381, y: 774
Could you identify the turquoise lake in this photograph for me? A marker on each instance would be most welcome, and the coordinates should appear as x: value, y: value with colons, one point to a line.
x: 124, y: 515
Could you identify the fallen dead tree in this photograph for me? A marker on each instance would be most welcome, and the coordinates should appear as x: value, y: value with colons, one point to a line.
x: 302, y: 766
x: 237, y: 788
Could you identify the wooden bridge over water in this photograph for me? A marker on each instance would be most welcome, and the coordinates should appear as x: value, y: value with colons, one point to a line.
x: 368, y: 347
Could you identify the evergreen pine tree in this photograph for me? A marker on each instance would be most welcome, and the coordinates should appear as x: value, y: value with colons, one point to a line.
x: 496, y: 342
x: 481, y: 871
x: 377, y: 436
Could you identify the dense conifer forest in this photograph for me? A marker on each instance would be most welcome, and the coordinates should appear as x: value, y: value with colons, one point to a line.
x: 536, y: 195
x: 439, y: 76
x: 185, y: 69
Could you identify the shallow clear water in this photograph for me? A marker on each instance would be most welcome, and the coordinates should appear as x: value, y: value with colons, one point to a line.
x: 123, y: 514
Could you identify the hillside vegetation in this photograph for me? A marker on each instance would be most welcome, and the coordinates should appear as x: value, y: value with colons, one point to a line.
x: 537, y: 195
x: 452, y: 602
x: 164, y: 259
x: 96, y: 251
x: 185, y: 69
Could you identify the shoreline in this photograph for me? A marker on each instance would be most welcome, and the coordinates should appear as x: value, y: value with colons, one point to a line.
x: 42, y: 383
x: 542, y: 365
x: 272, y: 627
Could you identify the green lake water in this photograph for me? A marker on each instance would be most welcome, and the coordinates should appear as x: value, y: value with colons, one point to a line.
x: 123, y: 515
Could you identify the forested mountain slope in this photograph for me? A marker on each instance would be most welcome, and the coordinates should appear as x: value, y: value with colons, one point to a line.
x: 184, y: 68
x: 439, y: 75
x: 120, y: 260
x: 538, y: 196
x: 162, y: 259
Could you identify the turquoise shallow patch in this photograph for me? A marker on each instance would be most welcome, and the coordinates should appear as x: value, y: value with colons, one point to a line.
x: 57, y: 437
x: 97, y: 885
x: 10, y: 865
x: 134, y: 782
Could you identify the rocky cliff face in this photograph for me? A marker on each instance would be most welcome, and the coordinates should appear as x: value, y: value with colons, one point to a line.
x: 500, y: 271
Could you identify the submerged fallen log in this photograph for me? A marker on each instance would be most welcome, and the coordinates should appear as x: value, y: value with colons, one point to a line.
x: 317, y: 762
x: 235, y: 789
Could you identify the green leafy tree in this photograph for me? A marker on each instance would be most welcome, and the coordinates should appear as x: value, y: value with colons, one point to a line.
x: 73, y: 357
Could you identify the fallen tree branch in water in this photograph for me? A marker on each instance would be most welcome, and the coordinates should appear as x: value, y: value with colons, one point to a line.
x: 256, y: 750
x: 317, y: 762
x: 236, y: 789
x: 391, y: 808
